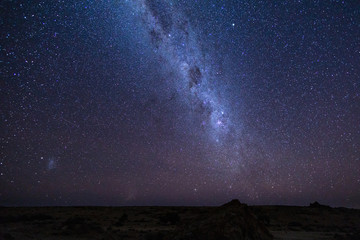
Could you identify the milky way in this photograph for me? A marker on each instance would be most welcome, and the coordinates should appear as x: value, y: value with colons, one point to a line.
x: 175, y: 40
x: 177, y: 102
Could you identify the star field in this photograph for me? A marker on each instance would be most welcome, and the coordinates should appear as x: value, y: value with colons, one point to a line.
x: 151, y: 102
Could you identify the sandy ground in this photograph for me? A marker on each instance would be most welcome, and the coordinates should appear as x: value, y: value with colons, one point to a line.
x: 284, y: 222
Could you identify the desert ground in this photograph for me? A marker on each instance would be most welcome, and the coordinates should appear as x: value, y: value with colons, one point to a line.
x: 230, y: 221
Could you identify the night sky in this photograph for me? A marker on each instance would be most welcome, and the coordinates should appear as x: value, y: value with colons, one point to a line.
x: 179, y: 102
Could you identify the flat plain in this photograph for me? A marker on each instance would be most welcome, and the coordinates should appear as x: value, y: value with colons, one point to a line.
x: 282, y: 222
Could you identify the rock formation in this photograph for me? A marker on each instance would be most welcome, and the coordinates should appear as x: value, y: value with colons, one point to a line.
x: 232, y: 221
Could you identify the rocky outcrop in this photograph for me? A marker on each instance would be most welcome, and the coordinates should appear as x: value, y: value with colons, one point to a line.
x: 318, y: 205
x: 232, y: 221
x: 233, y: 203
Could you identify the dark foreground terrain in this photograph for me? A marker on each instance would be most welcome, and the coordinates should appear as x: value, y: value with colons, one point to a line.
x: 230, y: 221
